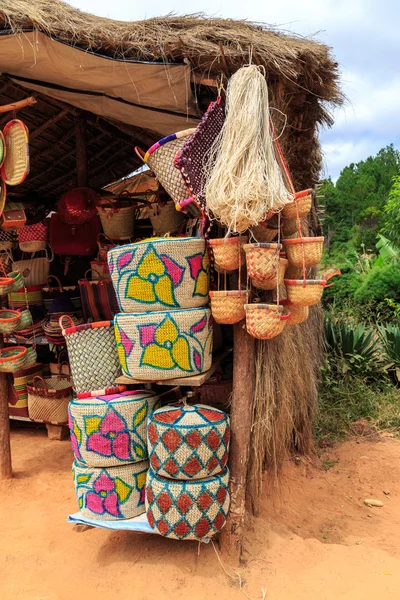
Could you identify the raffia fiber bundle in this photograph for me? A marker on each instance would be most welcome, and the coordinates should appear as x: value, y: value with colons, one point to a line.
x: 245, y: 181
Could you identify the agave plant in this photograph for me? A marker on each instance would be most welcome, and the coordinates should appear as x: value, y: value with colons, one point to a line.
x: 390, y: 337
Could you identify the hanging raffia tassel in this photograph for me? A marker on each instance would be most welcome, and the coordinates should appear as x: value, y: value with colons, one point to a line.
x: 245, y: 181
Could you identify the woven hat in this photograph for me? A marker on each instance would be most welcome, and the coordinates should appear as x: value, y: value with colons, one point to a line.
x: 188, y: 442
x: 111, y: 430
x: 110, y: 494
x: 187, y: 510
x: 78, y: 206
x: 15, y: 167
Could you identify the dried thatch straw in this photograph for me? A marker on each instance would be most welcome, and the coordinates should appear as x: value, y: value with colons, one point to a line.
x: 285, y: 399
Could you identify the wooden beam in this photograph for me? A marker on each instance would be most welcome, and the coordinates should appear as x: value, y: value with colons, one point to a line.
x: 17, y: 105
x: 81, y: 151
x: 5, y: 448
x: 241, y: 419
x: 197, y: 78
x: 48, y: 124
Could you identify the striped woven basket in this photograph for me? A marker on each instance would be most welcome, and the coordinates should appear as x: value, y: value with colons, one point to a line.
x: 9, y: 320
x: 304, y: 251
x: 261, y: 260
x: 188, y: 442
x: 48, y: 399
x: 164, y: 345
x: 265, y: 321
x: 187, y: 510
x: 92, y: 353
x: 305, y: 293
x: 271, y: 284
x: 228, y: 252
x: 160, y: 274
x: 111, y: 430
x: 160, y: 158
x: 227, y: 307
x: 12, y: 359
x: 300, y: 207
x: 117, y: 223
x: 18, y: 397
x: 111, y: 494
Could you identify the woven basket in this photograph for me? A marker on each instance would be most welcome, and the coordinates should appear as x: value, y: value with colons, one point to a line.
x: 289, y: 227
x: 25, y: 320
x: 261, y: 260
x: 31, y: 357
x: 12, y: 359
x: 33, y: 238
x: 118, y: 223
x: 111, y: 494
x: 165, y: 218
x: 305, y: 293
x: 18, y: 394
x: 293, y: 272
x: 92, y: 353
x: 160, y: 158
x: 111, y: 430
x: 115, y: 389
x: 48, y: 399
x: 15, y: 167
x: 306, y: 251
x: 300, y: 207
x: 6, y: 285
x: 227, y: 307
x: 164, y: 345
x: 161, y: 274
x: 271, y: 284
x: 18, y: 280
x: 228, y: 252
x: 265, y: 321
x: 9, y: 320
x: 263, y: 233
x: 187, y: 510
x: 188, y: 442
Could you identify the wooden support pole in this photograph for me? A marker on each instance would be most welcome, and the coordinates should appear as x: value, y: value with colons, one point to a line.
x: 5, y: 449
x: 241, y: 420
x: 81, y: 151
x: 17, y: 105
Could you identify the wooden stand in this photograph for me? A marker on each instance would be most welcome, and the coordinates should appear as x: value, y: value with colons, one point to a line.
x: 241, y: 420
x: 5, y: 448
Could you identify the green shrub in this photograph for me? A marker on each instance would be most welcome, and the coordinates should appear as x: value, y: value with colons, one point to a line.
x: 380, y: 284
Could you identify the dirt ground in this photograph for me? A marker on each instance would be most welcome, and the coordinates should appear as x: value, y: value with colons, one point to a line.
x: 315, y: 539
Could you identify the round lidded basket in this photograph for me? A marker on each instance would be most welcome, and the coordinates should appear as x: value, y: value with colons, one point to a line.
x: 187, y: 510
x: 270, y: 284
x: 261, y: 260
x: 15, y: 167
x: 12, y: 359
x: 300, y: 207
x: 265, y: 321
x: 48, y: 399
x: 227, y: 307
x: 111, y: 494
x: 305, y: 293
x: 304, y: 251
x: 117, y: 434
x: 9, y: 320
x: 188, y: 442
x: 228, y: 252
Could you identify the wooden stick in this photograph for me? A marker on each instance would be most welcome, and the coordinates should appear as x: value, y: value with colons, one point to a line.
x: 17, y: 105
x: 197, y: 78
x: 241, y: 418
x: 5, y: 449
x: 81, y: 151
x: 34, y: 134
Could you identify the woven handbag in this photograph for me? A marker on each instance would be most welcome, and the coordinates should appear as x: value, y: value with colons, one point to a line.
x: 15, y: 167
x: 22, y: 299
x: 99, y: 302
x: 118, y: 222
x: 48, y: 399
x: 71, y: 292
x: 35, y: 271
x: 111, y: 494
x: 32, y: 238
x: 74, y: 240
x: 165, y: 218
x: 187, y: 510
x: 92, y: 353
x: 188, y: 442
x: 164, y: 345
x: 161, y: 274
x: 110, y: 430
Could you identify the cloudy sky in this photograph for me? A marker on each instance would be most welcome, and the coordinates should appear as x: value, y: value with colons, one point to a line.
x: 364, y: 37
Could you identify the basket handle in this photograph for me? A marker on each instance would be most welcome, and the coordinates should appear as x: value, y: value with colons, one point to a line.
x: 70, y: 321
x: 285, y: 317
x: 40, y: 379
x: 140, y: 153
x: 60, y: 374
x: 88, y: 271
x: 60, y: 287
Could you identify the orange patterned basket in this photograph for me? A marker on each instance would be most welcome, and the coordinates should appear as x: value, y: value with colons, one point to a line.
x: 227, y: 307
x: 305, y: 251
x: 270, y: 284
x: 261, y: 260
x: 305, y: 293
x: 300, y: 207
x: 228, y: 252
x: 265, y: 321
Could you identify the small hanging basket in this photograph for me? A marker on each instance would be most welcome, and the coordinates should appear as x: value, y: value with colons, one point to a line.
x: 9, y: 320
x: 298, y: 313
x: 305, y: 293
x: 265, y: 321
x: 263, y: 233
x: 48, y: 399
x: 261, y: 260
x: 228, y: 252
x: 271, y: 284
x: 12, y: 359
x: 304, y: 251
x: 300, y: 207
x: 227, y: 307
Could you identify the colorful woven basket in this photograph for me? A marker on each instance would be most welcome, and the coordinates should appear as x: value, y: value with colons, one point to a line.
x: 92, y: 353
x: 161, y: 274
x: 305, y: 293
x: 12, y: 359
x: 228, y: 252
x: 9, y: 320
x: 111, y: 430
x: 164, y: 345
x: 117, y: 223
x: 270, y: 284
x: 33, y: 238
x: 25, y: 320
x: 261, y: 260
x: 265, y: 321
x: 300, y: 207
x: 6, y: 285
x: 111, y: 494
x: 188, y: 442
x: 304, y: 251
x: 160, y: 158
x: 116, y: 389
x: 18, y: 280
x: 48, y: 399
x: 187, y: 510
x: 227, y: 307
x: 31, y: 357
x: 15, y: 167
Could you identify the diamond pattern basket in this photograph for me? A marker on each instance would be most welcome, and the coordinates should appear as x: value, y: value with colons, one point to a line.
x: 261, y: 260
x: 271, y: 284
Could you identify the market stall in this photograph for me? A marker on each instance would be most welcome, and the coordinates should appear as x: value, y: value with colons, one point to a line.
x: 149, y: 282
